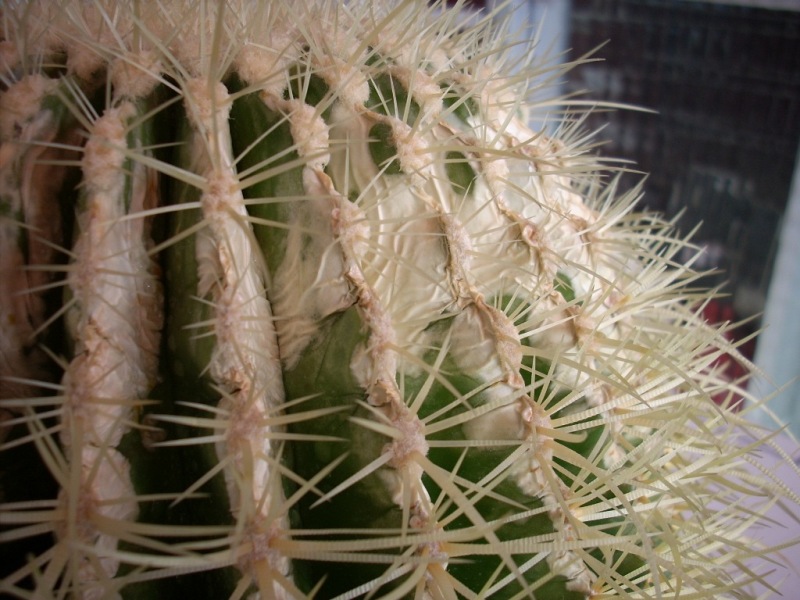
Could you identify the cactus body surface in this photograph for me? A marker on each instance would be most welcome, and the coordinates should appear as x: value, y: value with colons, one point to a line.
x: 295, y: 304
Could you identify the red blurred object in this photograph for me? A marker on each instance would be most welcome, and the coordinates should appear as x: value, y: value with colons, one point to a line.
x: 717, y: 313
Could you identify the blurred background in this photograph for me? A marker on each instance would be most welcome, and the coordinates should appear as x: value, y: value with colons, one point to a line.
x: 721, y: 147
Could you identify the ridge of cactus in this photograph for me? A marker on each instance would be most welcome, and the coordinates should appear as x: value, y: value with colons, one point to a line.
x: 295, y: 304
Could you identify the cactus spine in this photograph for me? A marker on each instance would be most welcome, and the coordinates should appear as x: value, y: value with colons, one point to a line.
x: 295, y: 304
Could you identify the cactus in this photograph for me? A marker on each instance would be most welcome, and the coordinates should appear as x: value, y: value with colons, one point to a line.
x: 295, y: 304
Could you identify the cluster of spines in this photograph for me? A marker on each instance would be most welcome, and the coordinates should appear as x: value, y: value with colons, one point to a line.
x: 558, y: 367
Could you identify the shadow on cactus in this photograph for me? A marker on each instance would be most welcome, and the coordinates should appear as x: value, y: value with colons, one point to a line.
x: 295, y: 303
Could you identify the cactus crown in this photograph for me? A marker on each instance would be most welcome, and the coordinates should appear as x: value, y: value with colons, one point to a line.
x: 296, y: 303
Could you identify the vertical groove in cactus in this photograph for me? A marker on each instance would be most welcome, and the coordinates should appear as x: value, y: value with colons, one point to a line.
x: 296, y: 305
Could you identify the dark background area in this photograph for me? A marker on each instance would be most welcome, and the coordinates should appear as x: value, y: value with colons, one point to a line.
x: 725, y: 82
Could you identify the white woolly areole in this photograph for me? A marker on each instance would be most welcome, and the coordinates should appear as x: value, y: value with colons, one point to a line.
x: 423, y: 87
x: 21, y: 103
x: 265, y: 66
x: 135, y: 76
x: 411, y: 149
x: 105, y: 152
x: 309, y: 130
x: 209, y: 107
x: 349, y: 82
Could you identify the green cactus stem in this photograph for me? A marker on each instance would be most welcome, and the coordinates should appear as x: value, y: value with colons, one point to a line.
x: 295, y: 304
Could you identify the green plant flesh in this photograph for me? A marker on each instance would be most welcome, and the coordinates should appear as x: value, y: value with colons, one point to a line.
x: 296, y: 304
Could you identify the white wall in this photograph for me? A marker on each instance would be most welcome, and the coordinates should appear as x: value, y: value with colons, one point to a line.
x: 546, y: 21
x: 778, y: 349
